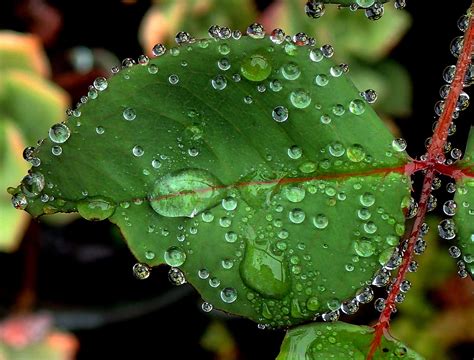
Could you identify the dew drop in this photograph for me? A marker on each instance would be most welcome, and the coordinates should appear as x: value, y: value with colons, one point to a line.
x: 100, y: 83
x: 219, y: 82
x: 59, y: 133
x: 256, y: 68
x: 291, y: 71
x: 141, y: 271
x: 314, y: 9
x: 300, y: 98
x: 297, y: 216
x: 137, y: 151
x: 129, y: 114
x: 19, y: 201
x: 176, y: 276
x: 280, y: 114
x: 228, y: 295
x: 320, y: 221
x: 174, y: 256
x: 357, y: 107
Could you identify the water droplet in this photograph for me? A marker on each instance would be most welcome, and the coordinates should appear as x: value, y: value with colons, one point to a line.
x: 223, y: 64
x: 56, y: 150
x: 300, y: 98
x: 336, y: 149
x: 290, y: 71
x: 297, y: 216
x: 141, y: 271
x: 364, y: 247
x: 176, y: 276
x: 174, y: 256
x: 399, y: 144
x: 447, y: 229
x: 350, y: 307
x: 365, y: 295
x: 219, y: 82
x: 280, y: 114
x: 327, y: 50
x: 59, y: 133
x: 277, y: 36
x: 256, y: 68
x: 19, y: 201
x: 229, y: 203
x: 185, y: 193
x: 449, y: 207
x: 314, y: 9
x: 158, y: 50
x: 152, y: 69
x: 183, y: 38
x: 264, y: 272
x: 96, y: 208
x: 369, y: 95
x: 137, y: 151
x: 206, y: 307
x: 365, y: 3
x: 173, y: 79
x: 256, y: 31
x: 129, y: 114
x: 230, y: 237
x: 143, y: 60
x: 355, y: 153
x: 228, y: 295
x: 321, y: 80
x: 454, y: 251
x: 100, y: 83
x: 357, y: 107
x: 320, y: 221
x: 32, y: 184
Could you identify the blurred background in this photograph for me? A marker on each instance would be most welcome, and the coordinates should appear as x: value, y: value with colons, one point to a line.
x: 66, y: 286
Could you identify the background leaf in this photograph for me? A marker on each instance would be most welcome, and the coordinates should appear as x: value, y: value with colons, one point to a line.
x: 339, y: 341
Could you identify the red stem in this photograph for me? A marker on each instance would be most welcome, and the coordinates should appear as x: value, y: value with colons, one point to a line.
x: 434, y: 163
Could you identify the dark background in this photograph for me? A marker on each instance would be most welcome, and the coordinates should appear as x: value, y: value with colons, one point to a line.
x: 84, y: 271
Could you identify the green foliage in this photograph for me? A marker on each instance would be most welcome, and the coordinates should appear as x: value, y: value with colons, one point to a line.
x: 464, y: 217
x: 339, y: 341
x: 28, y: 104
x: 242, y: 184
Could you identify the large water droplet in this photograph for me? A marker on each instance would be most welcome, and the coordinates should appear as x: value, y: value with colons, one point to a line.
x: 185, y: 193
x: 256, y: 68
x: 357, y: 107
x: 32, y: 184
x: 264, y: 272
x: 280, y: 114
x: 96, y: 208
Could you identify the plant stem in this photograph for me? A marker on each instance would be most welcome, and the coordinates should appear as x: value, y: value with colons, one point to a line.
x: 434, y: 163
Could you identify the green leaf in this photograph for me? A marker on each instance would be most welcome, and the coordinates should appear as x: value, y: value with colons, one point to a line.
x: 339, y: 341
x: 12, y: 166
x: 264, y: 217
x: 464, y: 217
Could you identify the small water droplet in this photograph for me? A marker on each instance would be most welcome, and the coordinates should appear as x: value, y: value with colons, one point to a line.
x: 176, y: 276
x: 137, y: 151
x: 129, y: 114
x: 141, y: 271
x: 256, y: 31
x: 357, y: 107
x: 228, y: 295
x: 280, y: 114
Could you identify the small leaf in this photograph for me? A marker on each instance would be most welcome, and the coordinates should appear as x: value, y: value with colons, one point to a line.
x: 264, y: 193
x: 464, y: 217
x: 22, y: 52
x: 339, y: 341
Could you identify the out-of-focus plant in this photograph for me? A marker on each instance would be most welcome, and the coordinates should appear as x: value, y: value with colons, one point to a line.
x: 32, y: 337
x: 29, y: 102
